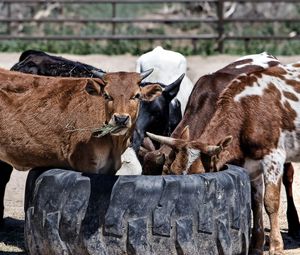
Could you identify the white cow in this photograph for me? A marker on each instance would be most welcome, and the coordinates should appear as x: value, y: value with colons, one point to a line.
x: 130, y: 163
x: 168, y: 65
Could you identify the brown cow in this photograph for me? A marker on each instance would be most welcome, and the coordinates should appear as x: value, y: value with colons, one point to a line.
x: 260, y: 113
x: 202, y: 103
x: 49, y: 121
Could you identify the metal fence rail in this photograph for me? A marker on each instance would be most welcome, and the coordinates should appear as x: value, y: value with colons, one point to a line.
x: 220, y: 22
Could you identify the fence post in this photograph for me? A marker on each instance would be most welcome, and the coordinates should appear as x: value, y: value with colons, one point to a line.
x: 8, y: 27
x: 220, y: 25
x: 114, y: 12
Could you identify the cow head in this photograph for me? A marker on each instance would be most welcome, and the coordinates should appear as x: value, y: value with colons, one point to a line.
x: 188, y: 157
x: 154, y: 115
x: 122, y: 94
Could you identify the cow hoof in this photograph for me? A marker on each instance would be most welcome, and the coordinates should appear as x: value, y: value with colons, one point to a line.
x: 138, y: 214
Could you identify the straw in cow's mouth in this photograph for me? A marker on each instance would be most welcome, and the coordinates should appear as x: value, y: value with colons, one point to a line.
x: 106, y: 129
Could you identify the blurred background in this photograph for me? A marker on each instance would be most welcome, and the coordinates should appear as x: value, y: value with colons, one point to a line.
x: 131, y: 26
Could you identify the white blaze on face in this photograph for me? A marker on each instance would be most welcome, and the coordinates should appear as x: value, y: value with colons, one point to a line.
x: 193, y: 154
x: 261, y: 59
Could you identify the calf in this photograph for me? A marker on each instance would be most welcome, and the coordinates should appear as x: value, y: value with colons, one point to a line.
x: 202, y: 103
x: 49, y: 121
x: 200, y: 109
x: 259, y: 113
x: 38, y: 62
x: 162, y: 115
x: 154, y: 115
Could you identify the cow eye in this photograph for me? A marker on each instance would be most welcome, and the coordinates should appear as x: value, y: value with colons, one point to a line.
x: 107, y: 97
x: 137, y: 96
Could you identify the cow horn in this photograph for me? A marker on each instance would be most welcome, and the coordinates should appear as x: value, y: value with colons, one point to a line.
x: 180, y: 78
x: 99, y: 73
x: 146, y: 73
x: 162, y: 139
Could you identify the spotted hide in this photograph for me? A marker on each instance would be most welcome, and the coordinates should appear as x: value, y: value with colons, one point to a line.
x: 256, y: 125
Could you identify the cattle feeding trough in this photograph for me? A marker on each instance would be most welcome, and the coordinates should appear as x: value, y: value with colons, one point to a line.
x: 101, y: 214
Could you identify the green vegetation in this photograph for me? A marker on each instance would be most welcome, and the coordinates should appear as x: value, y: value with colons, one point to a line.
x: 136, y: 47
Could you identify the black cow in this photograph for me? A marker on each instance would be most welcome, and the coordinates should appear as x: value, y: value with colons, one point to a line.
x: 158, y: 114
x: 41, y: 63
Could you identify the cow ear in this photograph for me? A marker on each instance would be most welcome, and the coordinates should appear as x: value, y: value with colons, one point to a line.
x: 216, y: 149
x: 94, y: 87
x: 225, y: 142
x: 150, y: 92
x: 172, y: 89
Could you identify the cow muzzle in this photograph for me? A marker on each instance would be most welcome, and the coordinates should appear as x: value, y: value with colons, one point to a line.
x: 122, y: 121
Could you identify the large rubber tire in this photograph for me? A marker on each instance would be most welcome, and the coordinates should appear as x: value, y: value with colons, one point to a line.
x: 73, y: 213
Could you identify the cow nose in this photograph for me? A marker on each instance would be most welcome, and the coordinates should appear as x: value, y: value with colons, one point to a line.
x: 121, y: 120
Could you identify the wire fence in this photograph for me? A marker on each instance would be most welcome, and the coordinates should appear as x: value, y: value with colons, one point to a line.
x: 218, y: 20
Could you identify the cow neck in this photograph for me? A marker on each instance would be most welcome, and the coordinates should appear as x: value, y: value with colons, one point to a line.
x: 120, y: 143
x: 225, y: 122
x: 202, y: 103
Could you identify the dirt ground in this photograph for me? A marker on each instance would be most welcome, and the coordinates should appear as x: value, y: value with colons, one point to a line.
x: 11, y: 238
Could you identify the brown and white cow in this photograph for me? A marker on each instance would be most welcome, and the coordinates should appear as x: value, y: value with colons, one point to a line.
x: 260, y: 113
x: 202, y: 103
x: 49, y: 121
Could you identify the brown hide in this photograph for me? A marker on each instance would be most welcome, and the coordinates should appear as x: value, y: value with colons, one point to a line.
x: 255, y: 122
x: 259, y: 113
x: 48, y: 121
x: 200, y: 108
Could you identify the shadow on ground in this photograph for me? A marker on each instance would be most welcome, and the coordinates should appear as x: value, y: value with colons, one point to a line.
x: 12, y: 237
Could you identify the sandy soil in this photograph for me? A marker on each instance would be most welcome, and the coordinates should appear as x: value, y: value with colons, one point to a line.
x: 11, y: 238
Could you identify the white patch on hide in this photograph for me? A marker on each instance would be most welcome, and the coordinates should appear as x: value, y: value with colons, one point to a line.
x: 273, y: 165
x: 261, y: 59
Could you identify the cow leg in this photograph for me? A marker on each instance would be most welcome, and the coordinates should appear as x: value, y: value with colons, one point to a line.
x: 292, y: 215
x: 5, y: 172
x: 257, y: 238
x: 273, y: 169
